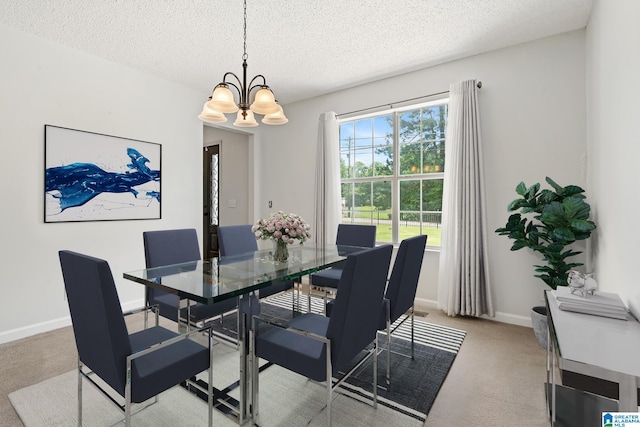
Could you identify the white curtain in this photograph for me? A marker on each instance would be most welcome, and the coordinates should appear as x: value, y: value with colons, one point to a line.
x: 327, y: 189
x: 463, y: 285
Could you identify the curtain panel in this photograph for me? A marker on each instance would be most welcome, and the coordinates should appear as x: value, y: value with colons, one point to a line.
x: 463, y: 285
x: 327, y: 187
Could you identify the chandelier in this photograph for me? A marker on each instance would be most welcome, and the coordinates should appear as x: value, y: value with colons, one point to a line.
x: 222, y: 100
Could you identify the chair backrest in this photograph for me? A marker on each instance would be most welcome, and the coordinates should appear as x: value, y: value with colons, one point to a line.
x: 356, y: 235
x: 166, y: 247
x: 100, y: 331
x: 401, y: 291
x: 236, y: 239
x: 354, y: 319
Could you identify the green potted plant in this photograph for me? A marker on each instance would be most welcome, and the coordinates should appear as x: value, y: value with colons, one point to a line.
x: 548, y: 221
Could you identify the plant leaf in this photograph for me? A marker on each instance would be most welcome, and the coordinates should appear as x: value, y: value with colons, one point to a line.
x: 553, y: 184
x: 573, y: 191
x: 582, y: 225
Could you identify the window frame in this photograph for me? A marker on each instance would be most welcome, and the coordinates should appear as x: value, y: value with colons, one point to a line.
x: 396, y: 178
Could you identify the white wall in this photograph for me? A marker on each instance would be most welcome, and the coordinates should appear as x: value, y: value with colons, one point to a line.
x: 613, y: 67
x: 236, y: 175
x: 533, y: 123
x: 533, y: 111
x: 45, y: 83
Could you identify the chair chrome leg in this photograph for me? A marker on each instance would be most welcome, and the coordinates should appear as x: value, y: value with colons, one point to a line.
x: 127, y: 396
x: 79, y: 392
x: 293, y: 299
x: 412, y: 334
x: 375, y: 373
x: 388, y: 352
x: 210, y: 387
x: 329, y: 384
x: 255, y: 372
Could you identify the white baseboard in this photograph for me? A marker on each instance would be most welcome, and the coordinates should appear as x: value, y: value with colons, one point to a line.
x: 513, y: 319
x: 50, y: 325
x: 38, y: 328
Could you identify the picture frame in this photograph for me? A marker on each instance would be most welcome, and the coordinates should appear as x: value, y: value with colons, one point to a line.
x: 95, y: 177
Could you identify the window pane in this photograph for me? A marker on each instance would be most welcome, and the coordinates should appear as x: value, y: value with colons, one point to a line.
x: 410, y: 196
x: 432, y: 194
x: 409, y: 224
x: 364, y: 133
x: 361, y: 199
x: 383, y: 145
x: 382, y: 210
x: 346, y: 168
x: 409, y: 123
x: 432, y: 210
x: 346, y: 191
x: 363, y: 163
x: 382, y: 195
x: 433, y: 156
x: 383, y: 161
x: 383, y: 130
x: 410, y: 162
x: 346, y: 136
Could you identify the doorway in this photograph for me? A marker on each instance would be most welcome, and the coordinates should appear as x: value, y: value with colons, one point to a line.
x: 210, y: 200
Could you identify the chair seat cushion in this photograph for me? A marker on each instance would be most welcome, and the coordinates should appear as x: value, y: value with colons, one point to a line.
x: 201, y: 312
x: 312, y: 322
x: 294, y: 351
x: 168, y: 304
x: 328, y: 278
x: 164, y: 368
x: 276, y: 288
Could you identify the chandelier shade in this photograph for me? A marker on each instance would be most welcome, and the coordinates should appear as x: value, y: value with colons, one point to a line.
x: 211, y: 116
x: 223, y: 99
x: 277, y: 118
x: 245, y: 119
x: 264, y: 102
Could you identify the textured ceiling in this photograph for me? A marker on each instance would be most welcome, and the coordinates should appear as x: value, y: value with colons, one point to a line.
x: 304, y: 48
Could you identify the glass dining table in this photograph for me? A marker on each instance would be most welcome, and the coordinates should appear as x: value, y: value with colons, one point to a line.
x: 239, y: 276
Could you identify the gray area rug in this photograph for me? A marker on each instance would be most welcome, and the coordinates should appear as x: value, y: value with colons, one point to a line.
x: 286, y: 399
x: 414, y: 383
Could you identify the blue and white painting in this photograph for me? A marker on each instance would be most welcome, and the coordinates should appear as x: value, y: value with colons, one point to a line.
x: 95, y: 177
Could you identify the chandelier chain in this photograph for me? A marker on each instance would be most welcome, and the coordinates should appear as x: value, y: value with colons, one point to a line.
x: 223, y: 100
x: 245, y: 56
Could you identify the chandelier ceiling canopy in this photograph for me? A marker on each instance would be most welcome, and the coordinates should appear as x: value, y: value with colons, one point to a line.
x: 223, y: 101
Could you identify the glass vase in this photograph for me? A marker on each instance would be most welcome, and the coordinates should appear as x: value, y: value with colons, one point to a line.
x: 280, y: 250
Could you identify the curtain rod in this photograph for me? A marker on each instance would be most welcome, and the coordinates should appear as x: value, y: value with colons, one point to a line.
x: 390, y: 105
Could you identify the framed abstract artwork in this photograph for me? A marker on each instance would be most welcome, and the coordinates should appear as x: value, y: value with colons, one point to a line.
x: 94, y: 177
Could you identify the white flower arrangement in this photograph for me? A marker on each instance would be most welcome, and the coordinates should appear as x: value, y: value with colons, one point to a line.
x: 280, y: 226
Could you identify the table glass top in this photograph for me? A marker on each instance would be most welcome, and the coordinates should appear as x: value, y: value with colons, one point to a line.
x: 216, y: 279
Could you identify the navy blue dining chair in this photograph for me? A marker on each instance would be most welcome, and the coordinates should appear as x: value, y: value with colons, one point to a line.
x: 239, y: 239
x: 400, y: 293
x: 320, y: 347
x: 137, y: 366
x: 167, y: 247
x: 348, y: 235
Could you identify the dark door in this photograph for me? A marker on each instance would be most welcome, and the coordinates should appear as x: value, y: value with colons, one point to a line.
x: 210, y: 216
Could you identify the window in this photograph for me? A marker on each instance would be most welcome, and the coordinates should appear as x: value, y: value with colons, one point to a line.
x: 392, y: 171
